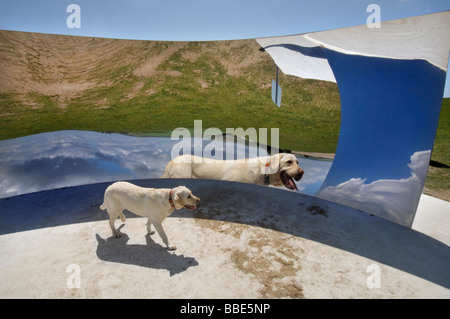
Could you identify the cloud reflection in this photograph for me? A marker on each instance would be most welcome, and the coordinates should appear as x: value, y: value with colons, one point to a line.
x: 70, y: 158
x: 393, y: 199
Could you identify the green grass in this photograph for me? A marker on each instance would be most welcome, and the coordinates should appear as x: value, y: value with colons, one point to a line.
x: 310, y: 110
x: 438, y: 177
x: 441, y: 150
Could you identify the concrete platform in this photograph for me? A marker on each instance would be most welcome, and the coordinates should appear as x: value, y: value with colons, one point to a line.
x: 245, y: 241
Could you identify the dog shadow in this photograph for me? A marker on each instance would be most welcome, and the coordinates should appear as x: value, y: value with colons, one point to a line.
x: 150, y: 255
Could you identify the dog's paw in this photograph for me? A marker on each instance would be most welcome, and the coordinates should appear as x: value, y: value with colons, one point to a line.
x: 117, y: 235
x: 151, y: 233
x: 171, y: 248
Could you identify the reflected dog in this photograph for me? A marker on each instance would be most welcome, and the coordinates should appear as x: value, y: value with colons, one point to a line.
x: 153, y: 203
x: 276, y: 170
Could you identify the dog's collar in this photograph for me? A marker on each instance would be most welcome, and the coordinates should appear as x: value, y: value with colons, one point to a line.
x: 171, y: 200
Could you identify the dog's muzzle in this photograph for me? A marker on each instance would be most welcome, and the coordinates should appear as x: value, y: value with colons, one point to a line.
x: 193, y: 207
x: 299, y: 174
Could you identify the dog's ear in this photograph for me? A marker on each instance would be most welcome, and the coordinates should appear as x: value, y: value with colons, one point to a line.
x: 275, y: 163
x: 176, y: 199
x: 270, y: 164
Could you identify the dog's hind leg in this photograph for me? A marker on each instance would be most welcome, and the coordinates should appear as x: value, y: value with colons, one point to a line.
x: 149, y: 227
x: 112, y: 218
x: 163, y: 236
x: 122, y: 216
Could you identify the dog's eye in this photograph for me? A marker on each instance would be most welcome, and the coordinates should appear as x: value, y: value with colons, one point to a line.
x: 289, y: 162
x: 189, y: 196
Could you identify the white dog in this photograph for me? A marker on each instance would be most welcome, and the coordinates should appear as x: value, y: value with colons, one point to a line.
x: 277, y: 170
x: 155, y: 204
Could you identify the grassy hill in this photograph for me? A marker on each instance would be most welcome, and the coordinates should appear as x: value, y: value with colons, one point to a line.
x: 54, y: 82
x: 438, y: 178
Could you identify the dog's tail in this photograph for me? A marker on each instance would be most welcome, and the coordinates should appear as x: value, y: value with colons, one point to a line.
x: 167, y: 170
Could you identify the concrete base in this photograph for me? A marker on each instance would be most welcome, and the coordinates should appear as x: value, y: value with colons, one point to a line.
x: 245, y: 241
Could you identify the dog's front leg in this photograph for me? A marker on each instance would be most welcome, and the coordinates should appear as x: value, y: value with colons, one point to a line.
x: 163, y: 236
x: 149, y: 227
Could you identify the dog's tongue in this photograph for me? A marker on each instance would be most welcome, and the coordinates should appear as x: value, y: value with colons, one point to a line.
x: 288, y: 181
x: 292, y: 184
x: 191, y: 206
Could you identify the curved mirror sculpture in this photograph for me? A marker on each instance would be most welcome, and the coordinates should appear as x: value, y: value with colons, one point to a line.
x: 391, y: 82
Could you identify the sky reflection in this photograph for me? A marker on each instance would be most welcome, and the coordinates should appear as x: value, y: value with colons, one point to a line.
x: 69, y: 158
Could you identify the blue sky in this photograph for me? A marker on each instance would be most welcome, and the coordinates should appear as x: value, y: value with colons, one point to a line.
x: 380, y: 132
x: 203, y: 19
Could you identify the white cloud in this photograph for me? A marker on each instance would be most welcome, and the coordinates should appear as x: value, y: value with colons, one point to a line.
x: 315, y: 173
x: 70, y: 158
x: 393, y: 199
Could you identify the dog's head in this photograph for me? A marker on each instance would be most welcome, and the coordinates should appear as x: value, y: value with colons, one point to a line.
x: 284, y: 169
x: 183, y: 197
